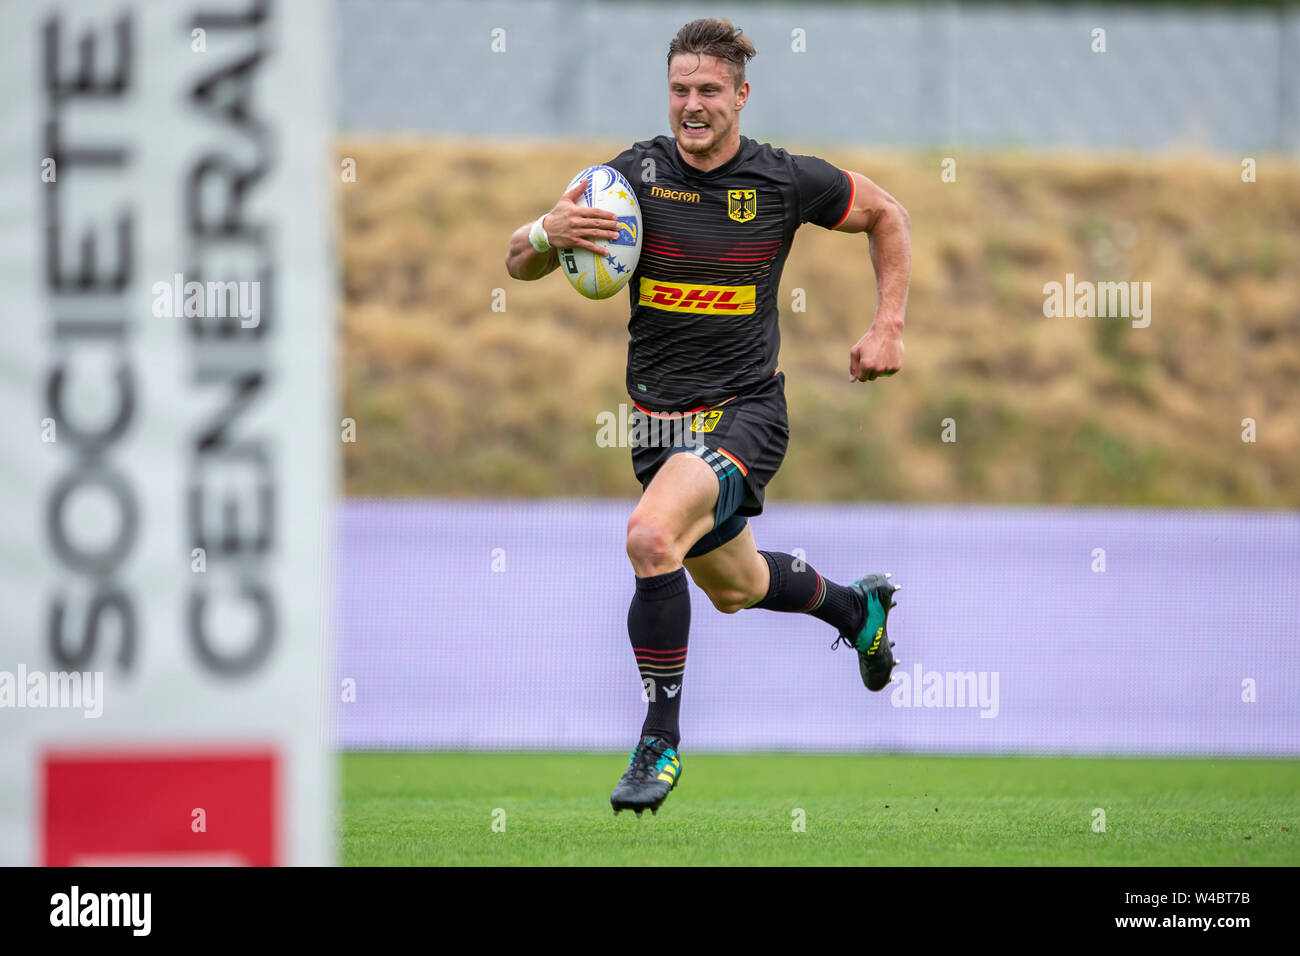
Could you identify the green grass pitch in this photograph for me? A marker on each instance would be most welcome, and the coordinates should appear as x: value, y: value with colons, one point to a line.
x: 440, y: 809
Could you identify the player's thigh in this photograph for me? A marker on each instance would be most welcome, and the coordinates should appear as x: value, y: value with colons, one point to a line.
x: 676, y: 509
x: 734, y: 576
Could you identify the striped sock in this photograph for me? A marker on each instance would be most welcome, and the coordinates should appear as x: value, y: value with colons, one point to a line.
x: 795, y: 587
x: 657, y: 624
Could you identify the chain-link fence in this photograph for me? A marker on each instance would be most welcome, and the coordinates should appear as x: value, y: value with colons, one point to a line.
x: 1225, y: 79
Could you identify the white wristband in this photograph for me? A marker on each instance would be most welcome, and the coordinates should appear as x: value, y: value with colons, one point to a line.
x: 538, y: 237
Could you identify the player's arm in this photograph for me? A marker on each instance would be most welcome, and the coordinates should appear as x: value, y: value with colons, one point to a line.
x: 889, y: 231
x: 567, y: 226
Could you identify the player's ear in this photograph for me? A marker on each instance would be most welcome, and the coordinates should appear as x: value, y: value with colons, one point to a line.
x: 742, y: 95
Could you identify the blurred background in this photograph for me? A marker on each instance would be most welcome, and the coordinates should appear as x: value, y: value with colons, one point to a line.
x: 1093, y: 518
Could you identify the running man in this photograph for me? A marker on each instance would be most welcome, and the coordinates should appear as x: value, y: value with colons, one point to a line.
x: 719, y: 214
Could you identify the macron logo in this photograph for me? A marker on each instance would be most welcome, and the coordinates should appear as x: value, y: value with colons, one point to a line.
x: 680, y: 195
x: 102, y: 909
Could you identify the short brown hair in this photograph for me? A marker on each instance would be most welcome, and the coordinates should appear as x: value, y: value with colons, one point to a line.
x: 715, y: 36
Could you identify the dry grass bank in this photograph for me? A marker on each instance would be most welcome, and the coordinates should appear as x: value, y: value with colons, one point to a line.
x: 454, y: 398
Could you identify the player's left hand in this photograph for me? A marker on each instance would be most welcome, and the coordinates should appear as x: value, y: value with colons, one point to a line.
x: 877, y: 353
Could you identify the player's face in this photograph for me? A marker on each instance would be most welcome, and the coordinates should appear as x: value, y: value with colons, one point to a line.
x: 703, y: 103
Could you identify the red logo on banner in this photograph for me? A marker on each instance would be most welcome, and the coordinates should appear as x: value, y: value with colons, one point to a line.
x: 139, y: 808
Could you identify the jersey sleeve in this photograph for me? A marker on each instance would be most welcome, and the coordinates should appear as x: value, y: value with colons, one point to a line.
x: 627, y: 163
x: 825, y: 191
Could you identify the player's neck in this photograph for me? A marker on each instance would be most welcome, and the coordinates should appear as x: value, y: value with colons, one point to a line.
x: 714, y: 158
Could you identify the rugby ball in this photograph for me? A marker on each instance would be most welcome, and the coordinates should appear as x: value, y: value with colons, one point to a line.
x: 599, y: 277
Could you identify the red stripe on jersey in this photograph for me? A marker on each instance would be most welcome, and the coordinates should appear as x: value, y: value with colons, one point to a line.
x: 690, y: 411
x: 853, y: 189
x: 671, y: 248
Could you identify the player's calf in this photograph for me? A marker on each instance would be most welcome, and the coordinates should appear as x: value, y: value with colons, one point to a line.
x: 731, y: 600
x: 795, y: 586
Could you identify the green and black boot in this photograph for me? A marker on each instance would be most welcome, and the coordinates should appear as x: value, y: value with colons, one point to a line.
x: 875, y: 654
x: 651, y: 774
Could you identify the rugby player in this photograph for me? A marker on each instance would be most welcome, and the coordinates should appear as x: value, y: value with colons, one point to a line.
x: 719, y: 214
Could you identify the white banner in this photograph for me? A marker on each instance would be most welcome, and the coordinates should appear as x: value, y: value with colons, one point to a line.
x: 168, y: 432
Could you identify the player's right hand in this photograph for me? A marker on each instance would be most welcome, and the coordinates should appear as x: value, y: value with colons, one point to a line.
x: 570, y: 226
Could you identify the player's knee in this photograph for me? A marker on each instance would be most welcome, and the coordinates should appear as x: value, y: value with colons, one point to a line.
x: 649, y: 544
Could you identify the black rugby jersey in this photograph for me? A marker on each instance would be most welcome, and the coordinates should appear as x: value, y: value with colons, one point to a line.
x: 704, y: 294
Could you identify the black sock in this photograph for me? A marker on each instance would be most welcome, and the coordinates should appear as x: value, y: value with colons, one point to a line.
x: 657, y: 624
x: 797, y: 588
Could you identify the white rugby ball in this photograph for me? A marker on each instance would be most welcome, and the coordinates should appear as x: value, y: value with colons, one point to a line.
x: 599, y: 277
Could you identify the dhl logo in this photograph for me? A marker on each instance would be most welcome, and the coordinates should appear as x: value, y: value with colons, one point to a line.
x: 681, y: 297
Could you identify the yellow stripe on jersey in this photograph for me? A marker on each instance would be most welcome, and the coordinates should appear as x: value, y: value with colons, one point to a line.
x: 684, y: 297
